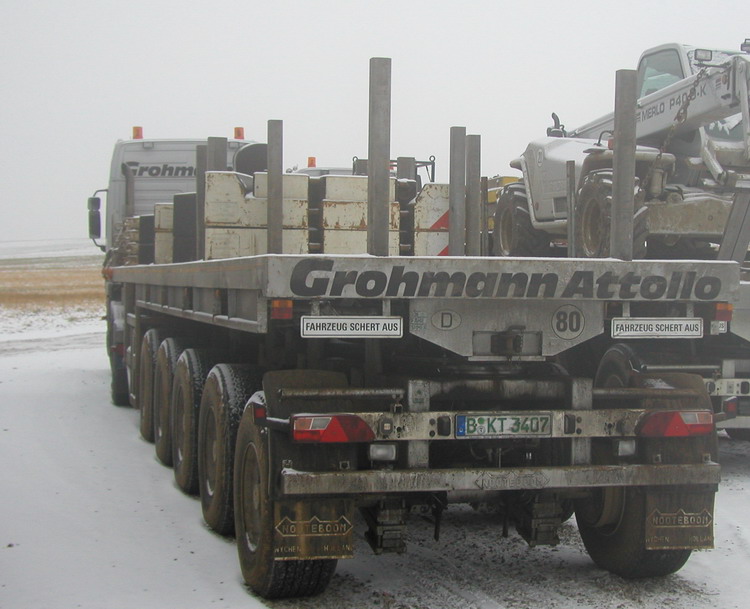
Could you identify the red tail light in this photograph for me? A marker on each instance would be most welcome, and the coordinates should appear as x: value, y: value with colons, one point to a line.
x: 330, y: 428
x: 724, y: 311
x: 676, y: 424
x: 282, y: 309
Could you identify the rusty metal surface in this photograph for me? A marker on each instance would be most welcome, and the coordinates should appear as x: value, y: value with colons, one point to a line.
x: 295, y: 483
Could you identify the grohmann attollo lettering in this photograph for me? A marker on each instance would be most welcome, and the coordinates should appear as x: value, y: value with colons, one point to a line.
x: 316, y: 277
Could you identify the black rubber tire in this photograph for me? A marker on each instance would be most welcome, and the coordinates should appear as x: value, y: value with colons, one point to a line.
x: 225, y: 394
x: 190, y: 375
x: 253, y: 510
x: 593, y: 217
x: 119, y: 387
x: 742, y: 435
x: 146, y: 366
x: 514, y: 235
x: 612, y: 523
x: 166, y: 362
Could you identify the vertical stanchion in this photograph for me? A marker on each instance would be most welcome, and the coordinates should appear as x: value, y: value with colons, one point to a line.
x: 570, y: 169
x: 201, y: 155
x: 457, y: 193
x: 473, y: 195
x: 623, y: 203
x: 275, y: 186
x: 379, y: 156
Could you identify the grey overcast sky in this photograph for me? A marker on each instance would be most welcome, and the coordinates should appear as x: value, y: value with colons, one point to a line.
x: 76, y: 75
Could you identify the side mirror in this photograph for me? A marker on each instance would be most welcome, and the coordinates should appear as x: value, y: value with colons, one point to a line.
x: 95, y: 220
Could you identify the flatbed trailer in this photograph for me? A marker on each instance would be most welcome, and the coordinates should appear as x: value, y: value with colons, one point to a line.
x: 293, y: 391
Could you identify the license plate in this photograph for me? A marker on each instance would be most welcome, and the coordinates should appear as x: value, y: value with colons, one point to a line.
x: 505, y: 425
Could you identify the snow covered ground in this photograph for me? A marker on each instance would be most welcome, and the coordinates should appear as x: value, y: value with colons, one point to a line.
x: 89, y: 518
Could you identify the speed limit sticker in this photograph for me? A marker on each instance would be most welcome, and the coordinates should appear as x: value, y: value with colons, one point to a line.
x: 568, y: 322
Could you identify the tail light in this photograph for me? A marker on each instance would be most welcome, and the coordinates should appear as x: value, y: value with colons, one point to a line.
x: 330, y: 428
x: 676, y: 424
x: 723, y: 311
x: 282, y: 309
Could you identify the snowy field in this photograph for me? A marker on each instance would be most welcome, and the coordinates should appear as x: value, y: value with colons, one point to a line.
x: 89, y: 518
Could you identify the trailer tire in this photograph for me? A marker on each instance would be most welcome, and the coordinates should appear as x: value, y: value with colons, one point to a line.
x: 166, y: 361
x: 146, y: 367
x: 190, y: 374
x: 514, y: 234
x: 225, y: 394
x: 253, y: 510
x: 612, y: 522
x: 593, y: 215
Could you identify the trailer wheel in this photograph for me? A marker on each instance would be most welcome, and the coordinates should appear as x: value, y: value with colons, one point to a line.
x: 225, y: 394
x: 612, y: 522
x: 593, y: 214
x: 146, y: 365
x: 253, y: 509
x: 190, y: 375
x: 166, y: 361
x: 514, y: 235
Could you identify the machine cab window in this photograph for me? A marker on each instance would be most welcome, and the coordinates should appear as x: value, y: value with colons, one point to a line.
x: 659, y: 70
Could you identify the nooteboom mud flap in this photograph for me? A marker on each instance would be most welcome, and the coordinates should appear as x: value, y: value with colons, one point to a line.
x: 679, y: 521
x: 313, y: 529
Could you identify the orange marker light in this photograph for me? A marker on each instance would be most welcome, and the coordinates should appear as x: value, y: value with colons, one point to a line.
x: 137, y: 133
x: 239, y: 133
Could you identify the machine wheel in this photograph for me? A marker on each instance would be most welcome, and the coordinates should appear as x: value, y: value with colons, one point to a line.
x: 146, y: 365
x: 514, y: 235
x: 593, y: 214
x: 190, y: 375
x: 612, y: 522
x: 225, y: 394
x: 166, y: 361
x: 739, y: 434
x: 253, y: 509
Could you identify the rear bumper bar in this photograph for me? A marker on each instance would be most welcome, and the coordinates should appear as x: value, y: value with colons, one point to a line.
x: 297, y: 483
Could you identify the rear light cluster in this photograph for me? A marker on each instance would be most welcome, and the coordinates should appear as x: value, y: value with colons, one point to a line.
x: 676, y: 424
x: 723, y: 311
x: 330, y: 428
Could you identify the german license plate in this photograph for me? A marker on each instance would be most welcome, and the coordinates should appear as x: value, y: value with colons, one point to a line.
x: 489, y: 425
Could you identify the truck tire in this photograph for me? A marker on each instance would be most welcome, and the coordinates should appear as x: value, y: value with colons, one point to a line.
x: 514, y: 235
x: 225, y: 394
x: 612, y: 523
x: 190, y: 375
x: 253, y: 510
x: 166, y: 362
x: 146, y: 365
x: 593, y: 216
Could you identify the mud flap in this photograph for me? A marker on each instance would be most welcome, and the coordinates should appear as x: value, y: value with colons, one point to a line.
x: 306, y: 530
x: 679, y: 521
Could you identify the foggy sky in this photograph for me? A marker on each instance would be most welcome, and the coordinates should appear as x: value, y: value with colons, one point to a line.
x: 77, y: 75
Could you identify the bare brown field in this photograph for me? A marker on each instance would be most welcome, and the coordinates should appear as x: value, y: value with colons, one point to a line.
x: 29, y: 288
